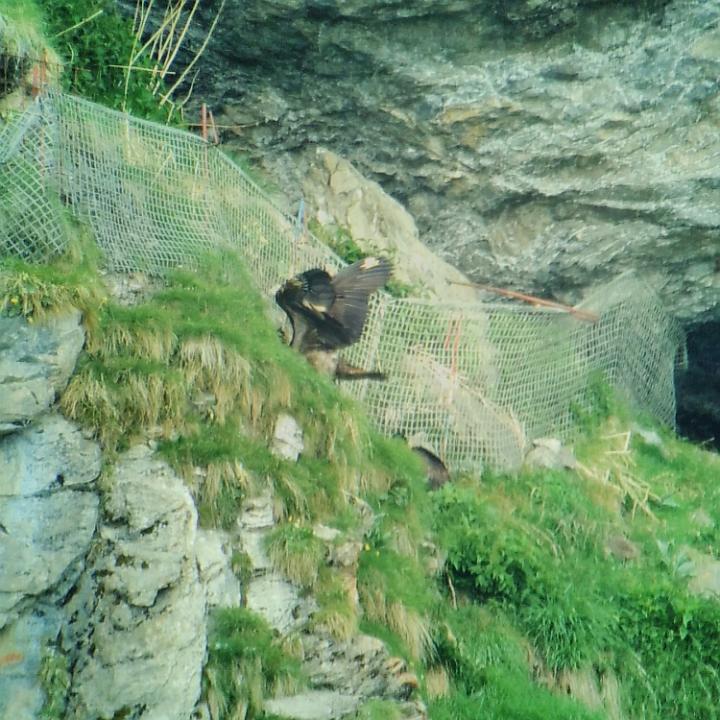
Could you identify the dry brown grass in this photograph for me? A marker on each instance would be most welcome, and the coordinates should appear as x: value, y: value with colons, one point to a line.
x: 147, y: 343
x: 412, y: 628
x: 437, y: 682
x: 336, y: 593
x: 209, y: 365
x: 611, y: 471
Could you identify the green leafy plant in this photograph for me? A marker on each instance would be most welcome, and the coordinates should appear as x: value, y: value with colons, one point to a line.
x: 96, y: 43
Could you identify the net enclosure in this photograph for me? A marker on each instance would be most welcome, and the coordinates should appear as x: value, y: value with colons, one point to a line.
x: 475, y: 382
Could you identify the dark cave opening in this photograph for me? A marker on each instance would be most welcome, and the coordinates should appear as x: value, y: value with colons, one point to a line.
x: 698, y: 387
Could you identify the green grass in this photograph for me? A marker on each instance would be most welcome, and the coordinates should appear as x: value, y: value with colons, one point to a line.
x: 535, y: 547
x: 394, y: 592
x: 471, y: 640
x: 247, y: 662
x: 55, y: 680
x: 337, y: 613
x: 23, y: 33
x: 296, y: 552
x: 182, y: 369
x: 530, y: 598
x: 510, y: 696
x: 70, y: 281
x: 95, y: 48
x: 378, y: 710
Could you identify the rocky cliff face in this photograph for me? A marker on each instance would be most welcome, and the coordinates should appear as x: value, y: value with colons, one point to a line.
x: 543, y: 146
x: 101, y: 596
x: 106, y: 580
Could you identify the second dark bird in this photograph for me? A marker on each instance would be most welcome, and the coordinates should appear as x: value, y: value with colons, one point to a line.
x: 328, y: 313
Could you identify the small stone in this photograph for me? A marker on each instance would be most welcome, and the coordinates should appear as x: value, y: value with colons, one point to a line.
x: 288, y: 438
x: 257, y: 513
x: 346, y: 554
x: 705, y: 581
x: 325, y: 533
x: 313, y: 705
x: 621, y: 548
x: 549, y: 453
x: 649, y: 437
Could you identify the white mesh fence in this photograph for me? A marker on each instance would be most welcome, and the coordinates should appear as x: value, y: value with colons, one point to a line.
x: 474, y: 381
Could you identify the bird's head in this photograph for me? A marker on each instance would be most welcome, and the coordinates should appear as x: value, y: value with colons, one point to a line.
x: 289, y: 287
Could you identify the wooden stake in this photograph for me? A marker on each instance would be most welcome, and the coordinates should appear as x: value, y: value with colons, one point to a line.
x: 203, y: 122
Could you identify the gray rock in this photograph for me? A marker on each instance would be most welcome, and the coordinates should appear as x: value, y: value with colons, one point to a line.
x: 278, y: 601
x: 255, y: 520
x: 549, y: 453
x: 252, y: 543
x: 313, y: 705
x: 288, y: 438
x: 22, y: 646
x: 36, y: 361
x: 360, y: 666
x: 51, y: 455
x: 49, y: 507
x: 137, y: 622
x: 212, y: 550
x: 41, y: 537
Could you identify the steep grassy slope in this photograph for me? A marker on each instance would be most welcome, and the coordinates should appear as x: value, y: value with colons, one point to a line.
x: 550, y: 594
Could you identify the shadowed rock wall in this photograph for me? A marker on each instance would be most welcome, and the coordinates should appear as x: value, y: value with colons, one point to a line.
x: 543, y: 146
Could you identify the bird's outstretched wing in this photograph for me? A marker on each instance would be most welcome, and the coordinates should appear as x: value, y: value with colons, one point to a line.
x: 329, y: 312
x: 353, y: 287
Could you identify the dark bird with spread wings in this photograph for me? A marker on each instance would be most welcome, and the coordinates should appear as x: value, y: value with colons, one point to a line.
x: 328, y: 312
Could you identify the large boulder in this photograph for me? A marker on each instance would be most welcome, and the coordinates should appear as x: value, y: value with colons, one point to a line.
x: 36, y: 361
x: 137, y: 621
x: 339, y: 195
x: 48, y: 507
x: 48, y: 515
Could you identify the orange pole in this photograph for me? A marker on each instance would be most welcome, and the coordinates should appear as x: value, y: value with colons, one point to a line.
x: 203, y: 122
x: 532, y: 299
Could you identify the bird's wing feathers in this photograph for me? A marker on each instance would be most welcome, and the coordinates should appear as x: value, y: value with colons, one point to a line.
x: 329, y: 312
x: 318, y: 293
x: 353, y: 286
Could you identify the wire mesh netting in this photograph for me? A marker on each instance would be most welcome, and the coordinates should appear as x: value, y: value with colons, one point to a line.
x: 476, y: 382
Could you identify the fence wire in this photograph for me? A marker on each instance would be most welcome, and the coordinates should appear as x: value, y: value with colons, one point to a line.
x: 476, y: 382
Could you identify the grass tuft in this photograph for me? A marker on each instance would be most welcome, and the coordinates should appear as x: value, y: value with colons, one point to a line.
x: 394, y: 593
x: 336, y: 595
x: 247, y: 662
x: 296, y: 553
